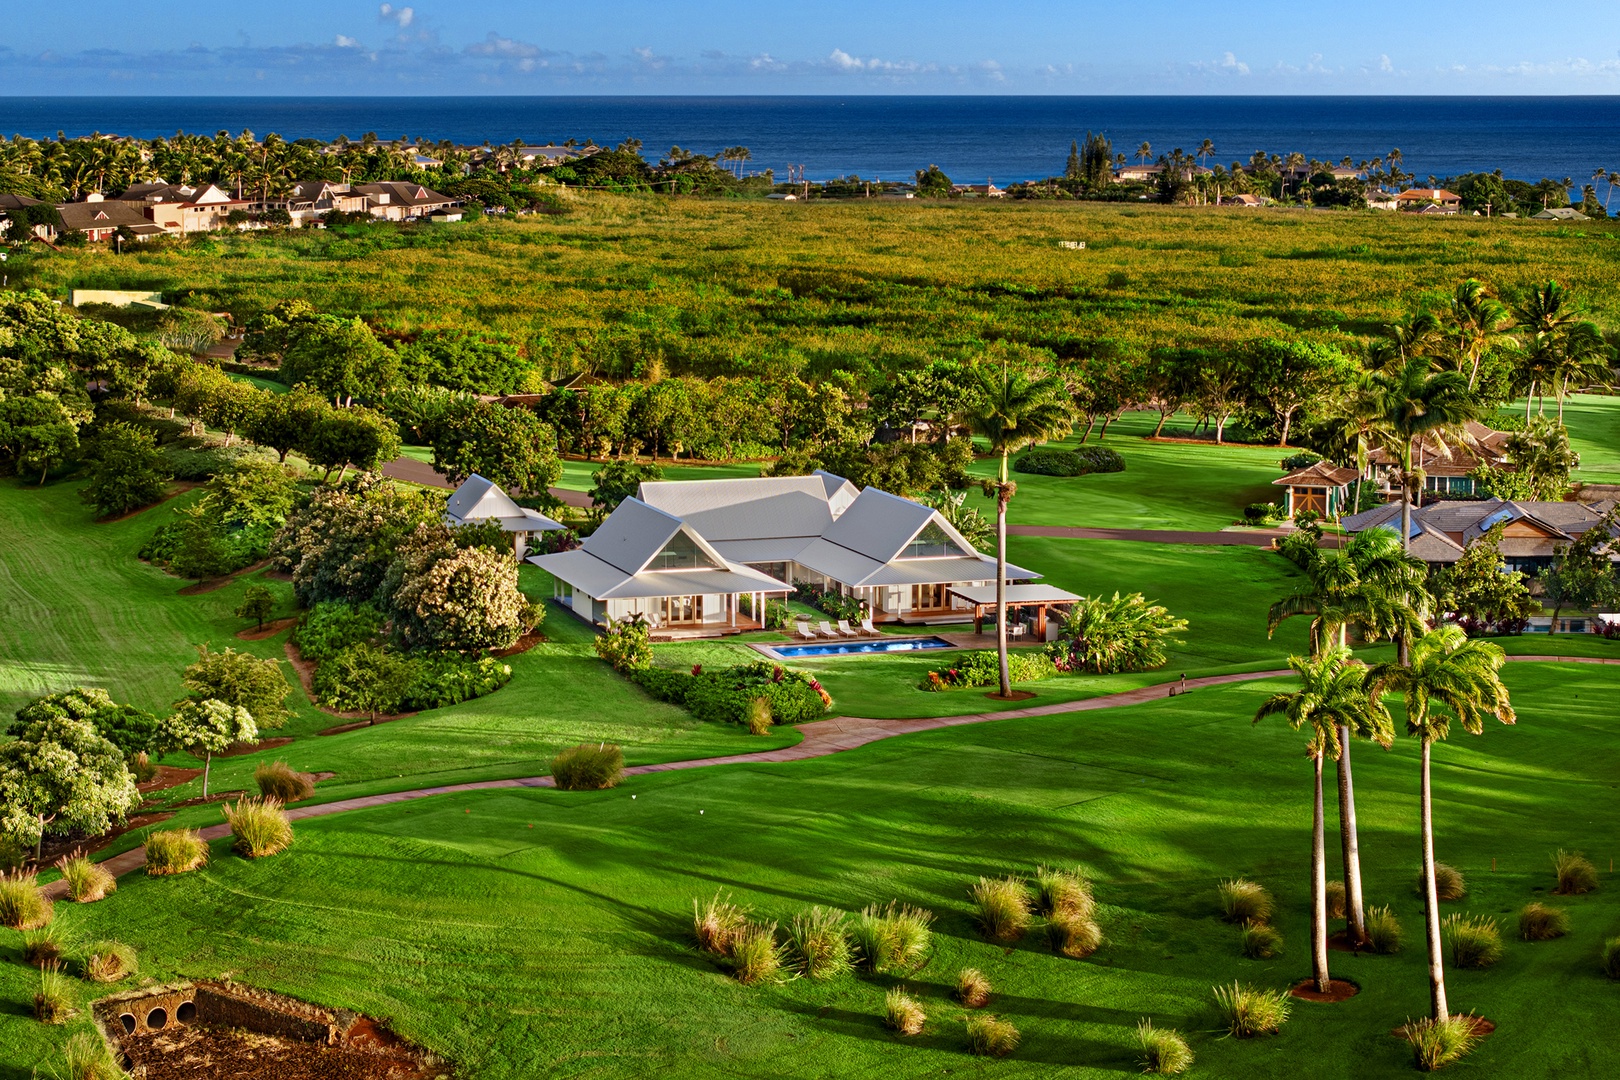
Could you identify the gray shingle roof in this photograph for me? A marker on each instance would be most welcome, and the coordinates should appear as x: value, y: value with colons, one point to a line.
x: 744, y: 508
x: 478, y: 499
x: 878, y: 525
x: 631, y: 536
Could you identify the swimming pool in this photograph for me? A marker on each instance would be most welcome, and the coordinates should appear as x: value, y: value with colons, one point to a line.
x: 856, y: 648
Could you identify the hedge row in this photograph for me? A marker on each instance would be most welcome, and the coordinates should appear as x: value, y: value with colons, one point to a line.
x: 726, y: 693
x: 1078, y: 462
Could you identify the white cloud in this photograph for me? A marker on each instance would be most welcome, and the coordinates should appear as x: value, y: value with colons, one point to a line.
x: 346, y: 42
x: 404, y: 16
x: 495, y: 45
x: 1385, y: 65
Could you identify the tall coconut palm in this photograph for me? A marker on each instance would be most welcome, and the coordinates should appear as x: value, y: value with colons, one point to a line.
x: 1449, y: 678
x: 1011, y: 412
x: 1368, y: 586
x: 1332, y: 697
x: 1478, y: 323
x: 1411, y: 402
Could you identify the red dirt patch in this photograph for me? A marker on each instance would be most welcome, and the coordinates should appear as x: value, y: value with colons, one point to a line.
x: 521, y: 645
x: 203, y: 1053
x: 52, y: 850
x: 253, y: 748
x: 1016, y: 695
x: 1338, y: 990
x: 271, y: 629
x: 277, y: 575
x: 167, y: 777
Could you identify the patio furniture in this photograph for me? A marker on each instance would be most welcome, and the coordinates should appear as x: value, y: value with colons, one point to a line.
x: 867, y: 627
x: 1016, y: 630
x: 805, y: 631
x: 827, y: 630
x: 844, y: 629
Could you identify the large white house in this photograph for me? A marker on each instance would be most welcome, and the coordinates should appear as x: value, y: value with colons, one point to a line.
x: 683, y: 553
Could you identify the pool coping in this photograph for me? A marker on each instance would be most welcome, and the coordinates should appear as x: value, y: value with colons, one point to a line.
x: 768, y: 650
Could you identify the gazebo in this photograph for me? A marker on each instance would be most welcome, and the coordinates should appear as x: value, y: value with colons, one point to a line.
x: 1321, y: 487
x: 1039, y: 597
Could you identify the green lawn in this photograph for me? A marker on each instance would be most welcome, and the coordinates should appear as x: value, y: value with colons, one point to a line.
x: 1594, y: 432
x: 561, y: 950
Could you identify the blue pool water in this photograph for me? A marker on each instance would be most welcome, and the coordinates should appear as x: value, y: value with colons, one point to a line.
x: 853, y: 648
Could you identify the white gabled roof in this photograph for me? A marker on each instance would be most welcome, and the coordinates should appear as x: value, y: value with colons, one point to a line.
x: 879, y: 525
x: 478, y: 499
x: 744, y: 508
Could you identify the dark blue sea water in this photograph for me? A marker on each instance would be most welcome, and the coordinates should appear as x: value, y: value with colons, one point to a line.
x: 971, y: 138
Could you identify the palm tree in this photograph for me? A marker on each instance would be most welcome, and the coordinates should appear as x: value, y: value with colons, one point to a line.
x: 1332, y: 697
x: 1479, y: 323
x: 1410, y: 403
x: 1145, y: 152
x: 1449, y: 678
x: 1206, y: 149
x: 1013, y: 411
x: 1366, y: 585
x: 1583, y: 356
x: 1418, y: 336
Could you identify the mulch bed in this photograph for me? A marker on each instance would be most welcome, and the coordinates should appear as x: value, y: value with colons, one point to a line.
x: 269, y: 630
x: 254, y: 747
x: 521, y: 645
x: 220, y: 582
x: 1016, y: 695
x: 206, y: 1053
x: 54, y: 849
x: 167, y: 777
x: 1338, y: 990
x: 180, y: 488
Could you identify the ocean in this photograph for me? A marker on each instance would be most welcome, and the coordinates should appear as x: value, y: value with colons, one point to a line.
x: 1002, y: 139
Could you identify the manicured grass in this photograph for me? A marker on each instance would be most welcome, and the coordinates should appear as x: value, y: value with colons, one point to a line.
x: 576, y: 475
x: 562, y: 949
x: 1594, y: 433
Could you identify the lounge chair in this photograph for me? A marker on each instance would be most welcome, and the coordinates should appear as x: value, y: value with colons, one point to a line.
x: 844, y: 629
x: 805, y: 631
x: 827, y: 630
x: 868, y: 628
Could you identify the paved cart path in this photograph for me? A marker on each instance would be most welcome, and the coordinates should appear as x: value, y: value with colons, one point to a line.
x: 821, y: 738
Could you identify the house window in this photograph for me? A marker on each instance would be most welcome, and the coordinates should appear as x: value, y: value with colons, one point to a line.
x: 681, y: 609
x: 682, y: 553
x: 931, y: 542
x: 927, y: 597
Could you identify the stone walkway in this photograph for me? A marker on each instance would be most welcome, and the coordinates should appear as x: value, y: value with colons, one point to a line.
x: 821, y: 739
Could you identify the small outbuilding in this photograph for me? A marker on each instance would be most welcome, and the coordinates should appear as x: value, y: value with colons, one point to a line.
x: 1322, y: 488
x: 479, y: 500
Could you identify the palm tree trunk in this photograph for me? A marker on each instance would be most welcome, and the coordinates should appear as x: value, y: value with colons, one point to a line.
x: 1431, y: 897
x: 208, y: 763
x: 1355, y: 919
x: 1001, y: 580
x: 1319, y: 948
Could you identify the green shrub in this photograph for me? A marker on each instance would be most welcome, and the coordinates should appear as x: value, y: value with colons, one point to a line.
x: 1576, y: 874
x: 1302, y: 459
x: 1001, y: 907
x: 277, y: 780
x: 991, y: 1037
x: 109, y: 962
x: 1244, y: 901
x: 1335, y: 900
x: 334, y: 625
x: 54, y: 1001
x: 13, y: 856
x: 1163, y: 1052
x: 902, y: 1012
x: 726, y: 695
x: 85, y: 1057
x: 1103, y: 635
x: 972, y: 988
x: 440, y: 680
x: 175, y: 851
x: 43, y: 945
x: 663, y: 684
x: 1299, y: 547
x: 984, y: 669
x: 910, y: 929
x: 755, y: 955
x: 87, y: 881
x: 1474, y: 943
x: 1055, y: 461
x: 626, y: 645
x: 1247, y: 1011
x: 141, y: 767
x: 716, y: 925
x: 1438, y: 1043
x: 588, y: 768
x: 1610, y: 957
x: 818, y: 943
x: 1260, y: 941
x: 1062, y: 891
x: 1073, y: 934
x: 1263, y: 513
x: 1539, y: 922
x: 1383, y: 930
x: 890, y: 938
x: 1449, y: 883
x: 22, y: 905
x: 260, y: 827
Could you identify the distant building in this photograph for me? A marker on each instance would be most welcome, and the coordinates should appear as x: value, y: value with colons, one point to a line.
x: 308, y: 200
x: 980, y: 191
x: 398, y: 201
x: 1243, y: 200
x: 98, y: 219
x: 1447, y: 465
x: 1423, y: 198
x: 1560, y: 213
x: 1382, y: 200
x: 182, y: 208
x: 1321, y: 488
x: 1442, y: 530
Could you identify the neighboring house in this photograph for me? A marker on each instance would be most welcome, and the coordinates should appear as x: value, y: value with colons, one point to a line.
x: 309, y: 200
x: 682, y: 553
x: 1560, y: 213
x: 479, y: 500
x: 982, y: 191
x: 9, y: 202
x: 1322, y: 488
x: 1243, y: 200
x: 397, y: 201
x: 100, y: 218
x: 1442, y: 530
x: 182, y: 208
x: 1382, y: 200
x: 1447, y: 464
x: 1422, y: 198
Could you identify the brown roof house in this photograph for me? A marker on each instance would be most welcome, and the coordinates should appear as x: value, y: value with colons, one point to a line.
x: 308, y: 200
x: 100, y: 218
x: 401, y: 201
x: 1447, y: 464
x: 1422, y: 199
x: 1322, y: 488
x: 1531, y: 530
x: 182, y: 208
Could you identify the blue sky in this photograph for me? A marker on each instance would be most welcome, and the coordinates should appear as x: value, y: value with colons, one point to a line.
x: 828, y: 47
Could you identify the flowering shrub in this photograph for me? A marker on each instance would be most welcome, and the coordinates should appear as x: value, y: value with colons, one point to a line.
x: 626, y: 645
x: 984, y: 669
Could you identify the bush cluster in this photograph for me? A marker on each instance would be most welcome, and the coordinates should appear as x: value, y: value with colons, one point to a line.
x: 278, y: 780
x: 1474, y: 943
x: 1438, y: 1043
x: 588, y: 768
x: 903, y: 1013
x: 87, y: 881
x: 175, y: 851
x: 333, y: 626
x: 728, y: 695
x: 984, y: 669
x: 22, y: 905
x: 830, y: 601
x: 260, y: 827
x: 895, y: 937
x: 413, y: 682
x: 1162, y: 1051
x: 1053, y: 461
x: 1247, y: 1011
x: 626, y: 645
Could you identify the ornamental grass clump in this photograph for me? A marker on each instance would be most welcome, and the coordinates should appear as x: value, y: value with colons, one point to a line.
x: 1383, y: 930
x: 818, y: 943
x: 109, y: 962
x: 175, y: 851
x: 1244, y: 901
x: 895, y: 937
x: 87, y: 881
x: 43, y: 945
x: 972, y: 988
x: 1576, y: 874
x: 1162, y: 1051
x: 1001, y: 907
x: 85, y: 1057
x: 1474, y: 943
x: 1438, y: 1043
x: 278, y: 780
x: 1609, y: 957
x: 1260, y: 941
x: 260, y: 826
x: 716, y: 925
x: 22, y: 905
x: 989, y: 1036
x: 1335, y: 900
x: 1062, y: 891
x: 759, y: 719
x: 1449, y: 884
x: 588, y: 768
x: 903, y: 1013
x: 1247, y: 1011
x: 1073, y: 934
x: 1540, y: 922
x: 755, y: 955
x: 53, y: 1001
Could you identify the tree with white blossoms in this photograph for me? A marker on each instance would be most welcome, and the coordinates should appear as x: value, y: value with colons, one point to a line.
x: 442, y: 596
x: 204, y: 728
x: 60, y: 771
